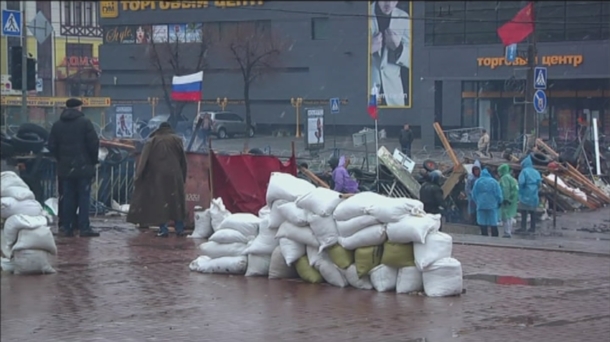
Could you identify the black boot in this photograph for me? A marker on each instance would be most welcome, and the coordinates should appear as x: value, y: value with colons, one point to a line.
x: 494, y: 231
x: 484, y: 231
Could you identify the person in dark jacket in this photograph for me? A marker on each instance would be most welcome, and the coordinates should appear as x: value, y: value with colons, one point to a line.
x: 431, y: 194
x: 74, y: 143
x: 406, y: 139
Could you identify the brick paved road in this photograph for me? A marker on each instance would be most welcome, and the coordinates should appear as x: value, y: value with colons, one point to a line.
x: 128, y: 286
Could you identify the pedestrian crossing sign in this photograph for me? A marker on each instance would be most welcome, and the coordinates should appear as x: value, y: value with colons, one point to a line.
x: 540, y: 78
x: 11, y: 23
x: 334, y: 105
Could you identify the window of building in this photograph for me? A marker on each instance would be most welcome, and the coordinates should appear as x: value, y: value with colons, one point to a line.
x: 319, y: 28
x: 449, y: 22
x: 226, y: 29
x: 79, y: 50
x: 579, y: 25
x: 480, y: 23
x: 550, y: 21
x: 79, y: 13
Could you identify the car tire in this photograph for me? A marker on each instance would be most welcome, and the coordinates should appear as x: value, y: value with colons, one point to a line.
x: 251, y: 132
x: 222, y: 133
x: 33, y: 128
x: 27, y: 144
x: 540, y: 159
x: 430, y: 165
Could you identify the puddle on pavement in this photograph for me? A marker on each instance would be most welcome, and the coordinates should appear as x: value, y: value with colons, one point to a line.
x: 511, y: 280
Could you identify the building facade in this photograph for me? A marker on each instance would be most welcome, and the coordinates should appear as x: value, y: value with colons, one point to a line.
x: 432, y: 61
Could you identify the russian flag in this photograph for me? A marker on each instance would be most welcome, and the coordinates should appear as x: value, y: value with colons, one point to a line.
x: 372, y: 108
x: 187, y: 87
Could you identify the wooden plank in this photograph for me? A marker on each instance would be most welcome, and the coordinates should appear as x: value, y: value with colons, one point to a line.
x: 569, y: 194
x: 452, y: 181
x: 399, y: 172
x: 314, y: 178
x: 447, y: 146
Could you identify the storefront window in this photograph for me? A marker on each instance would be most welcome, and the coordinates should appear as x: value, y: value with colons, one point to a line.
x: 606, y: 122
x: 566, y: 123
x: 469, y: 117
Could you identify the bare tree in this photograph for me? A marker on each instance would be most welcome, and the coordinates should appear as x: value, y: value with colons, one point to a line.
x: 256, y: 49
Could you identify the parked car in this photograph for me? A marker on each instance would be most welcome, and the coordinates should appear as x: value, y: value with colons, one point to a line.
x: 228, y: 124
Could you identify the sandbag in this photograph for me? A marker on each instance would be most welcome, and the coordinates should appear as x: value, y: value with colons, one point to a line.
x: 10, y: 206
x: 40, y: 238
x: 244, y: 223
x: 278, y: 269
x: 371, y: 236
x: 340, y: 256
x: 438, y: 246
x: 398, y: 255
x: 218, y: 213
x: 229, y: 236
x: 224, y: 265
x: 19, y: 193
x: 16, y: 223
x: 286, y: 187
x: 275, y: 217
x: 7, y: 265
x: 413, y: 228
x: 356, y: 205
x: 356, y: 224
x: 367, y: 258
x: 32, y: 261
x: 443, y: 278
x: 314, y: 255
x: 307, y: 272
x: 9, y: 179
x: 6, y: 249
x: 331, y: 273
x: 302, y: 235
x: 324, y: 229
x: 216, y: 250
x: 265, y: 242
x: 258, y: 265
x: 264, y: 212
x: 319, y: 201
x: 361, y: 283
x: 392, y: 209
x: 203, y: 225
x: 291, y: 213
x: 291, y: 250
x: 409, y: 280
x: 383, y: 278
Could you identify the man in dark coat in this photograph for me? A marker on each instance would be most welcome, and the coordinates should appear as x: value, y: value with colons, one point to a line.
x: 431, y: 194
x: 74, y: 143
x: 159, y: 195
x: 406, y: 139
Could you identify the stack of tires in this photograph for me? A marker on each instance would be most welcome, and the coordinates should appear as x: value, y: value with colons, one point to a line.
x: 30, y: 138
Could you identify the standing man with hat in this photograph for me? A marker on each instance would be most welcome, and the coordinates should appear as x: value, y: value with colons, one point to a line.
x: 74, y: 143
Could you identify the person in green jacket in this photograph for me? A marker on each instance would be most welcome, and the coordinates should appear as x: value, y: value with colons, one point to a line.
x: 510, y: 193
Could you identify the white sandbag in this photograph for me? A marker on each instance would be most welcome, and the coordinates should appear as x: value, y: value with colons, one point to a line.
x: 229, y: 236
x: 356, y: 224
x: 264, y: 212
x: 224, y: 265
x: 324, y: 228
x: 320, y: 201
x: 438, y: 246
x: 265, y: 242
x: 364, y: 283
x: 40, y: 238
x: 203, y: 225
x: 392, y: 209
x: 286, y: 187
x: 409, y: 280
x: 51, y: 206
x: 275, y: 217
x: 291, y: 213
x: 291, y: 250
x: 302, y: 235
x: 9, y: 179
x: 6, y: 249
x: 216, y: 250
x: 11, y: 206
x: 383, y: 278
x: 356, y: 205
x: 19, y: 193
x: 218, y: 212
x: 371, y: 236
x: 314, y: 255
x: 244, y: 223
x: 7, y: 265
x: 443, y: 278
x: 278, y: 269
x: 331, y: 273
x: 16, y: 223
x: 32, y: 261
x: 258, y: 265
x: 413, y: 228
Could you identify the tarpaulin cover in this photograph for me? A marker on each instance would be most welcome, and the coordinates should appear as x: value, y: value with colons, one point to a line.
x: 241, y: 180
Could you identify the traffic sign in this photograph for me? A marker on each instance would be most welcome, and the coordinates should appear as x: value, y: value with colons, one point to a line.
x: 510, y: 54
x: 39, y: 85
x: 334, y: 105
x: 11, y: 23
x: 40, y: 27
x: 540, y: 101
x: 540, y: 77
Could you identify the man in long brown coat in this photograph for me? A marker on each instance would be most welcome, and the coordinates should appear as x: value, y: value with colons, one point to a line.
x: 159, y: 195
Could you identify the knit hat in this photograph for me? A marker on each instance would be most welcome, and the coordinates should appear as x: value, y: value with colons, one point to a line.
x: 73, y: 103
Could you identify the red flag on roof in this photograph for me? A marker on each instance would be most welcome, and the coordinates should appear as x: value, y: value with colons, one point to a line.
x: 519, y: 27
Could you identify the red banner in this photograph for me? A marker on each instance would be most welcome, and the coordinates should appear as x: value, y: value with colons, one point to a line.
x: 241, y: 180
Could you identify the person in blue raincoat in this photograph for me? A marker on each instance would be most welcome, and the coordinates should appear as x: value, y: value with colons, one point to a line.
x: 472, y: 177
x: 487, y: 196
x: 529, y: 186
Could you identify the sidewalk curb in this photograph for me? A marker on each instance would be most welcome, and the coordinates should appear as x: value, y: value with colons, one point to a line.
x: 543, y: 249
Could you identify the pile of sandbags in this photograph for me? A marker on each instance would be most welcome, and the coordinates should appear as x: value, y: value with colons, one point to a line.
x: 208, y: 221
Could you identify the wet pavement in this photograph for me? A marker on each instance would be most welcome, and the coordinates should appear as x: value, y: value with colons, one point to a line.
x: 129, y: 286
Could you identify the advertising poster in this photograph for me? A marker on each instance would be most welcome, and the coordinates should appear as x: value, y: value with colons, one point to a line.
x: 120, y: 35
x: 390, y: 48
x: 315, y: 128
x: 194, y: 33
x: 177, y: 33
x: 160, y: 33
x: 143, y: 34
x: 124, y: 122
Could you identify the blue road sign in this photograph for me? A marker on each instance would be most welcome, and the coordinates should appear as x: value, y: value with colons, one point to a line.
x: 540, y: 77
x: 334, y: 105
x: 540, y: 101
x: 510, y: 54
x: 11, y: 23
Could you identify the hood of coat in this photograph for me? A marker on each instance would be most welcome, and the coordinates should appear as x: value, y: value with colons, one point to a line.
x: 527, y: 162
x: 503, y: 170
x: 485, y: 174
x: 70, y: 114
x: 162, y: 130
x: 342, y: 161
